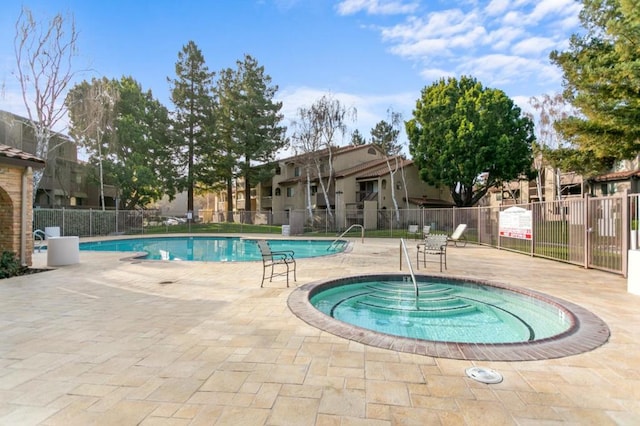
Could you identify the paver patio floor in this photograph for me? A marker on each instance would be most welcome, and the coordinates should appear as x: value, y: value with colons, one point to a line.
x: 113, y: 342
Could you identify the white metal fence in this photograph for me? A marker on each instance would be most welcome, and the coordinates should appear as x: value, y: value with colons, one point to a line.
x: 590, y: 232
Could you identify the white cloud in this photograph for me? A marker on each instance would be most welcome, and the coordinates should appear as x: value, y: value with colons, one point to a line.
x: 501, y: 42
x: 376, y: 7
x: 501, y: 38
x: 496, y: 7
x: 533, y: 46
x: 419, y: 49
x: 497, y: 70
x: 544, y: 12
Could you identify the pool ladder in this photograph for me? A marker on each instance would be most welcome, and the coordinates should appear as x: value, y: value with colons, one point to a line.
x: 403, y: 249
x: 355, y: 225
x: 38, y: 237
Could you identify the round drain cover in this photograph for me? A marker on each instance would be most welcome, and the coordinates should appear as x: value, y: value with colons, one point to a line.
x: 484, y: 375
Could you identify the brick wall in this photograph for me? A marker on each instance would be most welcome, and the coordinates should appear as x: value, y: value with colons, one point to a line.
x: 11, y: 210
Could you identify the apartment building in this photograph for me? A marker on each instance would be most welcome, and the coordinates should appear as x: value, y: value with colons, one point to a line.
x: 356, y: 180
x: 66, y: 181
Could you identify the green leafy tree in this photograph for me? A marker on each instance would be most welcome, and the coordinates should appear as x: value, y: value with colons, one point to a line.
x: 92, y: 114
x: 191, y: 93
x: 602, y: 79
x: 142, y: 162
x: 127, y: 134
x: 468, y: 138
x: 258, y: 133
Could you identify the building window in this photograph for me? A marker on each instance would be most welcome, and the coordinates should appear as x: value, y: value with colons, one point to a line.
x: 278, y: 170
x: 290, y: 192
x: 314, y: 189
x: 296, y: 172
x: 277, y: 192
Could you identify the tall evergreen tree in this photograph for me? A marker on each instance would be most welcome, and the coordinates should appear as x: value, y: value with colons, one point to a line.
x: 385, y: 135
x: 222, y: 159
x: 191, y: 93
x: 602, y: 79
x: 357, y: 139
x: 258, y: 132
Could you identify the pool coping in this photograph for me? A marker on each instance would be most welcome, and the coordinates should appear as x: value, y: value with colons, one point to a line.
x: 587, y: 333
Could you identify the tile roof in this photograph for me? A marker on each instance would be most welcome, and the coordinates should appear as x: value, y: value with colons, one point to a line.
x: 372, y: 169
x: 617, y: 176
x: 20, y: 157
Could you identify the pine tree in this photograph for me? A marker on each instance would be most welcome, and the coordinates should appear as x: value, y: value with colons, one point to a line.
x: 192, y: 95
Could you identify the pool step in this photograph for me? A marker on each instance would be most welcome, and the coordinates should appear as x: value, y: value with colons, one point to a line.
x: 450, y: 305
x: 423, y: 311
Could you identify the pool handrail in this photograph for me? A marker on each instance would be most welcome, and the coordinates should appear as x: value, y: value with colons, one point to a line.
x: 403, y: 248
x: 342, y: 235
x: 38, y: 236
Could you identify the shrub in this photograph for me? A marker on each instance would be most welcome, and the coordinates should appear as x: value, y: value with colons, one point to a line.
x: 10, y: 265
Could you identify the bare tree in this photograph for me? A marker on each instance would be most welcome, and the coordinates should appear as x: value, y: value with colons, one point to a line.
x: 329, y: 120
x: 306, y: 145
x: 316, y: 130
x: 385, y: 136
x: 43, y: 57
x: 548, y: 110
x: 92, y: 109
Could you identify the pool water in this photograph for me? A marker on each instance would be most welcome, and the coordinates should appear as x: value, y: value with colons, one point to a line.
x: 445, y: 310
x: 212, y: 249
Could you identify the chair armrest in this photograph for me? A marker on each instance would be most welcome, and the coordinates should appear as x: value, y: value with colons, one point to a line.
x: 285, y: 253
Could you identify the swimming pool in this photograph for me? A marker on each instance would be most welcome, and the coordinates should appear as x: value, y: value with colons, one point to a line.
x: 212, y: 249
x: 452, y: 317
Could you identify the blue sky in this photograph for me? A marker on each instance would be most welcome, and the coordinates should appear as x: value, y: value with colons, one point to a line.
x: 373, y: 55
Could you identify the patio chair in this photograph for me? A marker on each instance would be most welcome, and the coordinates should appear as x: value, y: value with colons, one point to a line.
x: 426, y: 229
x: 271, y: 259
x: 413, y: 230
x: 433, y: 245
x: 458, y: 236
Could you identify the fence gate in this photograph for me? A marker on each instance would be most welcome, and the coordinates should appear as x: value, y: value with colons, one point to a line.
x: 606, y: 235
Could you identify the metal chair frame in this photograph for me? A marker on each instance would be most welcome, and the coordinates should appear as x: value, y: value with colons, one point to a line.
x: 433, y: 244
x: 271, y: 259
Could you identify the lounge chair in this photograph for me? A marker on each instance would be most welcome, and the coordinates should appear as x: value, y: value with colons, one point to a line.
x: 458, y: 236
x: 413, y: 230
x: 271, y: 259
x: 436, y: 245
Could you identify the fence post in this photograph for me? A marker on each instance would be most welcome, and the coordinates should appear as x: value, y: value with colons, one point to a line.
x: 530, y: 206
x: 587, y: 232
x: 478, y: 210
x: 626, y: 226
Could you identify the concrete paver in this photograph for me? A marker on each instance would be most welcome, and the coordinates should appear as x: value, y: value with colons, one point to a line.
x: 111, y: 341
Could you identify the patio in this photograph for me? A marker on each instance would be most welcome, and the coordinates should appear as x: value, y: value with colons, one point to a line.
x: 108, y: 341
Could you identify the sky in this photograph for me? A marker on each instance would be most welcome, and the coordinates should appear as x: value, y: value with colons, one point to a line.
x: 372, y: 55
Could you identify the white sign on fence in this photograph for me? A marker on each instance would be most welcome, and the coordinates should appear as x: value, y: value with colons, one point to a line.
x: 516, y: 222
